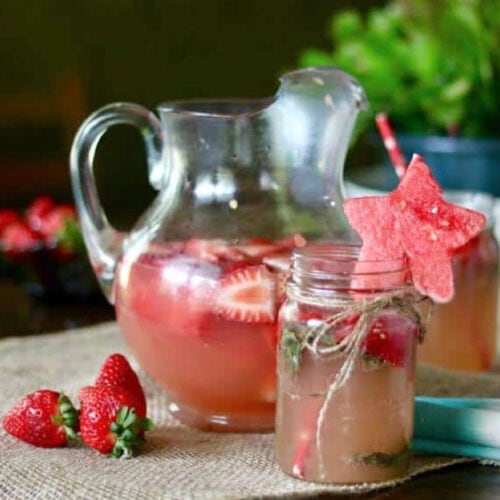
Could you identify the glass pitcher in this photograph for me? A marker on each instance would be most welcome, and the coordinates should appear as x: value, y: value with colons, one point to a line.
x: 198, y: 280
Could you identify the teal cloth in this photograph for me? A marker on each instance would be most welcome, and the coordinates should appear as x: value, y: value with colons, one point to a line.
x: 467, y: 427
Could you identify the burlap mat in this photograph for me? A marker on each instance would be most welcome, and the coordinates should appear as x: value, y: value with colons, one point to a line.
x: 177, y: 462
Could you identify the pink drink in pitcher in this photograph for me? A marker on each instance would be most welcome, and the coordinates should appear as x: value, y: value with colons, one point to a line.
x: 200, y: 317
x: 200, y: 314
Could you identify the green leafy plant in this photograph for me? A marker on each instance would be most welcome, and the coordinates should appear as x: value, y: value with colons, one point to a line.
x: 432, y: 65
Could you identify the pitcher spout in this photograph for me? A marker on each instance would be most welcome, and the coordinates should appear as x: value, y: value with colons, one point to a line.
x: 318, y: 108
x: 334, y: 84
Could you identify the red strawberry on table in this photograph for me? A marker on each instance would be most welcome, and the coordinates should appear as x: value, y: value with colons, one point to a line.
x: 56, y: 226
x: 248, y: 294
x: 54, y: 221
x: 37, y: 210
x: 7, y: 217
x: 43, y: 418
x: 117, y: 372
x: 415, y: 222
x: 112, y: 421
x: 18, y: 238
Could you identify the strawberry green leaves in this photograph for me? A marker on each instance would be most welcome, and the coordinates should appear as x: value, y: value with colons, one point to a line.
x: 415, y: 222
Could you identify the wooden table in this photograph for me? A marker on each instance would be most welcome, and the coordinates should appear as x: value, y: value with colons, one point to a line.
x: 22, y: 315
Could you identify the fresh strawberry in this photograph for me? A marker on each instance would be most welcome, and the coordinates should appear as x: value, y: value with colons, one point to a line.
x: 43, y: 418
x: 212, y: 250
x: 117, y: 372
x: 7, y: 217
x: 112, y: 421
x: 54, y: 221
x: 248, y: 294
x: 230, y: 266
x: 17, y: 238
x: 37, y: 211
x: 388, y: 338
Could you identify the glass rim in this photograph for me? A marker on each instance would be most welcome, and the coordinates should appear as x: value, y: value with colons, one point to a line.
x: 198, y: 106
x: 336, y: 269
x: 344, y: 254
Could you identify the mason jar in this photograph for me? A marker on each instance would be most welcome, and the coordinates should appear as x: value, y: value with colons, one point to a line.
x: 346, y: 367
x: 462, y: 334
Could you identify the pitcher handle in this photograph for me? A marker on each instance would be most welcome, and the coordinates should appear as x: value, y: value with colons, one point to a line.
x: 104, y: 243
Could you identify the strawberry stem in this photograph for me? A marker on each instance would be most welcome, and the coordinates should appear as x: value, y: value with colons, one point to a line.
x: 129, y: 430
x: 70, y: 237
x: 67, y: 416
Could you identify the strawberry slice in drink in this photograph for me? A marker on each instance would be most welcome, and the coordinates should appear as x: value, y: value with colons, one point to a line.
x: 247, y: 294
x: 213, y: 251
x: 258, y: 248
x: 279, y: 264
x: 278, y: 261
x: 173, y: 291
x: 388, y: 338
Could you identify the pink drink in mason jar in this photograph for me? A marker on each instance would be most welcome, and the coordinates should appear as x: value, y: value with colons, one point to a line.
x: 200, y: 316
x: 346, y: 365
x: 462, y: 334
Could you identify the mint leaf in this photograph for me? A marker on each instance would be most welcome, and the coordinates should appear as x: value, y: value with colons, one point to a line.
x: 384, y: 460
x: 291, y: 347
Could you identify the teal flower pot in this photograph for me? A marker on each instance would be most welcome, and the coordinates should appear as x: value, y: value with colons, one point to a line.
x: 458, y: 163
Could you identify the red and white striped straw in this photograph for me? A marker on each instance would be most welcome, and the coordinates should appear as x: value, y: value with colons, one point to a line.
x: 391, y: 144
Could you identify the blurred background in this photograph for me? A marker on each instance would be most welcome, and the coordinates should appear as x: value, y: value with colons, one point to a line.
x: 62, y: 60
x: 433, y: 66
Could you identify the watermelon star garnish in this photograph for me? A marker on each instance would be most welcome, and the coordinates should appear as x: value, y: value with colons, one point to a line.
x: 416, y: 223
